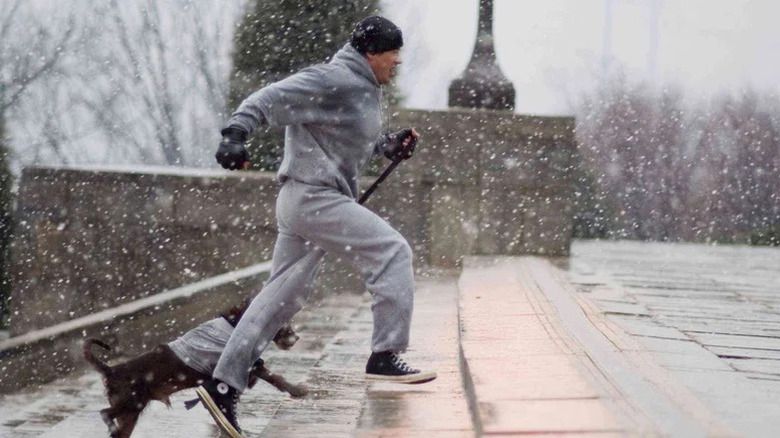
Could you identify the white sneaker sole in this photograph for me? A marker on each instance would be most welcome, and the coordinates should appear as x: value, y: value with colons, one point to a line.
x: 218, y: 416
x: 423, y: 377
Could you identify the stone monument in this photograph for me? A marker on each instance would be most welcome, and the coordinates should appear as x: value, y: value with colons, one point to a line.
x: 483, y: 85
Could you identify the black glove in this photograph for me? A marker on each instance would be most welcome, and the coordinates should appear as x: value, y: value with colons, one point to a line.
x: 232, y: 153
x: 394, y: 148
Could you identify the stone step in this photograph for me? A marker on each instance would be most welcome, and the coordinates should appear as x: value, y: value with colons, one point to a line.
x: 344, y: 404
x: 544, y: 360
x: 527, y: 375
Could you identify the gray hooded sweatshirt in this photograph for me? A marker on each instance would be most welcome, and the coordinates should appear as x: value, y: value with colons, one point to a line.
x: 333, y: 119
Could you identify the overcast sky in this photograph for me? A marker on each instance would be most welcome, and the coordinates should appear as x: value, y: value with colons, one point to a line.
x: 553, y: 50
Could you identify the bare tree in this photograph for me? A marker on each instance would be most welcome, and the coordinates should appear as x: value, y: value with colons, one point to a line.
x: 31, y: 50
x: 676, y: 172
x: 738, y: 156
x: 164, y: 71
x: 133, y: 82
x: 614, y: 133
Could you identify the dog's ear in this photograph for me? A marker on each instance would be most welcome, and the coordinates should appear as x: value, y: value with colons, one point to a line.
x: 235, y: 313
x: 285, y: 338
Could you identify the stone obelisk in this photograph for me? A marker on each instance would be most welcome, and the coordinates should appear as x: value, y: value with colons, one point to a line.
x: 483, y: 85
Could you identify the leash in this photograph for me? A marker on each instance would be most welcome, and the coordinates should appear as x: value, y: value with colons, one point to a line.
x: 379, y: 180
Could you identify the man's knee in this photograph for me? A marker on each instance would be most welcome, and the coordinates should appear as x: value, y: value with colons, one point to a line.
x: 394, y: 258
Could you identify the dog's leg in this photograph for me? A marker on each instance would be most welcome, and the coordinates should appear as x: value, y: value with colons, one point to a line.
x: 280, y: 383
x: 107, y: 415
x: 127, y: 423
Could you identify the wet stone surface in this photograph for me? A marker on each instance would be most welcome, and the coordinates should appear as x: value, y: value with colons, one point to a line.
x: 69, y: 407
x: 329, y: 359
x: 709, y: 314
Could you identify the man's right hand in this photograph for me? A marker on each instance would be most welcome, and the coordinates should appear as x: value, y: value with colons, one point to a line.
x: 232, y: 153
x: 400, y: 145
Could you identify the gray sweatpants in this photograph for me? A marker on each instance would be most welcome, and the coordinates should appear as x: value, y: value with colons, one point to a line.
x: 201, y: 347
x: 313, y: 220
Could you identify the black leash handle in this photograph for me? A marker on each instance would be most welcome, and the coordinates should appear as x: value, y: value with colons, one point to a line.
x: 379, y: 180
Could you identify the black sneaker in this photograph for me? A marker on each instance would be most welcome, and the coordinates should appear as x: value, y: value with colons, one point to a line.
x: 221, y: 401
x: 388, y: 367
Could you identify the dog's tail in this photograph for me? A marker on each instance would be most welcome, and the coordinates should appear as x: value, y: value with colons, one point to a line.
x: 99, y: 365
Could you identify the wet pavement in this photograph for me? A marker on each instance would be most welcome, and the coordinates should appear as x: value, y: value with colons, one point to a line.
x: 621, y: 339
x: 708, y: 315
x: 329, y: 358
x: 69, y: 407
x: 529, y: 376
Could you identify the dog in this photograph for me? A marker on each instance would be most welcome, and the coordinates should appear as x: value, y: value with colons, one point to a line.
x: 156, y: 374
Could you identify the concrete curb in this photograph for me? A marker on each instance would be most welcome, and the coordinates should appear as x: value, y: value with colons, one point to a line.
x: 468, y: 382
x: 671, y: 408
x: 526, y: 371
x: 535, y: 361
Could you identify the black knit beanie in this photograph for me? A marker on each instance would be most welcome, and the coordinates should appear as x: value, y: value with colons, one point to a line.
x: 375, y: 35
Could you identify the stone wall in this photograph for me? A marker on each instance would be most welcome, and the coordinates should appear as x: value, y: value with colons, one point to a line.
x: 493, y: 182
x: 482, y: 182
x: 91, y: 239
x: 130, y: 329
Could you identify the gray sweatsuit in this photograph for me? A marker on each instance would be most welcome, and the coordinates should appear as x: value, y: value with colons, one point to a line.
x: 333, y: 120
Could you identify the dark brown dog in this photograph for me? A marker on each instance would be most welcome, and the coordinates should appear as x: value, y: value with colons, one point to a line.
x: 157, y: 374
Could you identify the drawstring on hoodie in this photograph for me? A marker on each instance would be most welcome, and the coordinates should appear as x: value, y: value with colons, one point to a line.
x: 386, y: 104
